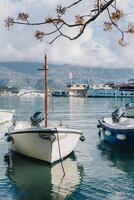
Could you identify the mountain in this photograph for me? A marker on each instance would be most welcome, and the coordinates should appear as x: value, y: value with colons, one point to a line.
x: 25, y: 74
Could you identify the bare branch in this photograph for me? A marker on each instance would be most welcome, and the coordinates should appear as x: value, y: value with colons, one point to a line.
x: 81, y: 21
x: 73, y: 4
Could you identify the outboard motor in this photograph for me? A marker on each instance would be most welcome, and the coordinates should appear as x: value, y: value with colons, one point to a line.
x: 128, y: 105
x: 36, y: 119
x: 117, y: 114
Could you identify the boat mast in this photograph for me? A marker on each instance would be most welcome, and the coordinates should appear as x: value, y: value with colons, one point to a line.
x: 46, y: 90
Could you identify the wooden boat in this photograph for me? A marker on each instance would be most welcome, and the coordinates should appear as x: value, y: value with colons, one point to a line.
x: 40, y: 140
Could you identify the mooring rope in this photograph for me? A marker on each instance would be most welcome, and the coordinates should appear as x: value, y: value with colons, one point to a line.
x: 61, y: 159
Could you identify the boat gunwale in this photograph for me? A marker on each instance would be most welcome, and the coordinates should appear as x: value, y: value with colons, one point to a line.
x: 45, y: 130
x: 109, y: 126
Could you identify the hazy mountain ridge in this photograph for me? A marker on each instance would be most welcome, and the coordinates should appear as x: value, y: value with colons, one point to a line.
x: 25, y: 74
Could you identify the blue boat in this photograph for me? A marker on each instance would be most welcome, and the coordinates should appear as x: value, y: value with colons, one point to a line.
x: 117, y: 129
x: 58, y: 93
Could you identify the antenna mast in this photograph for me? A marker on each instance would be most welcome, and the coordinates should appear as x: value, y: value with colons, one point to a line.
x: 46, y: 90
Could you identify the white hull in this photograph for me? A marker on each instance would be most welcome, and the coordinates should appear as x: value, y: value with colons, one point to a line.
x: 76, y: 94
x: 5, y: 116
x: 77, y: 90
x: 109, y: 93
x: 5, y: 121
x: 46, y: 149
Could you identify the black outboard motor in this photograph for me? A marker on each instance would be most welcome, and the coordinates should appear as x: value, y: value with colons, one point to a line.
x: 128, y: 105
x: 36, y: 119
x: 117, y: 114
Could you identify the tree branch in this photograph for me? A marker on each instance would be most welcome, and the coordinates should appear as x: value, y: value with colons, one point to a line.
x: 81, y: 21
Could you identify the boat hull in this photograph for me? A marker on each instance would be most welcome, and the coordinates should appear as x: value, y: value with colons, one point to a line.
x: 43, y: 146
x: 120, y: 137
x: 110, y: 93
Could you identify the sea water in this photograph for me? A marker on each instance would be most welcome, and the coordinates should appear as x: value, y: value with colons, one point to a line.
x: 94, y: 171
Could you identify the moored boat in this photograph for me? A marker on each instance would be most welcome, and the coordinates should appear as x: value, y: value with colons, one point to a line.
x: 40, y: 141
x: 119, y: 128
x: 48, y: 144
x: 77, y: 90
x: 124, y: 90
x: 58, y: 93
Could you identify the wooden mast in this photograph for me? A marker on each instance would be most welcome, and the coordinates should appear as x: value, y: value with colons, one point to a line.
x: 46, y: 90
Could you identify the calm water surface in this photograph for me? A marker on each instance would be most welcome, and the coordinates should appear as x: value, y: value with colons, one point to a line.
x: 94, y: 171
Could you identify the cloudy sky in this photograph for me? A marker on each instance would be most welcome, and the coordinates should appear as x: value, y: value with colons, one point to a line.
x: 94, y: 48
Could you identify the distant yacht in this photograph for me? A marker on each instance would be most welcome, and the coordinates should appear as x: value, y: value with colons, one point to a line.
x: 112, y: 90
x: 77, y: 90
x: 30, y: 93
x: 58, y: 93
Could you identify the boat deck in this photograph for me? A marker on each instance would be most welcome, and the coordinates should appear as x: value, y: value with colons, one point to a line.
x: 122, y: 124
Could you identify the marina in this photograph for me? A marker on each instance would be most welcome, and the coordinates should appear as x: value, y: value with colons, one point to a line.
x: 108, y: 89
x: 66, y: 100
x: 90, y: 180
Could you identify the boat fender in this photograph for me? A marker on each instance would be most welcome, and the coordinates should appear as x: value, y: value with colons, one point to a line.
x: 99, y: 126
x: 82, y: 138
x: 7, y: 158
x: 9, y: 138
x: 108, y: 132
x: 121, y: 137
x: 6, y: 134
x: 99, y: 134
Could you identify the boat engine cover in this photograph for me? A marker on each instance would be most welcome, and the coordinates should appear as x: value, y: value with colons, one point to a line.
x: 36, y: 119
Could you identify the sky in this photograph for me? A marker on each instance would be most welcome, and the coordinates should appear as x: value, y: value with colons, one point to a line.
x: 94, y: 48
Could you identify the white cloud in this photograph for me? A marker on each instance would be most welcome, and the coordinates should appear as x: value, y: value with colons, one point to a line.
x: 93, y: 48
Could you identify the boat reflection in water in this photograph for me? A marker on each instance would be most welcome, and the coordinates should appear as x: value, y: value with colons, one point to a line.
x: 123, y: 159
x: 35, y: 180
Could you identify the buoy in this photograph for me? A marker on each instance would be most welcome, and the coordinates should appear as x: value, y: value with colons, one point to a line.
x: 82, y: 138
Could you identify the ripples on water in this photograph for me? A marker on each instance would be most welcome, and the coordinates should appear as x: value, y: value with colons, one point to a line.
x: 95, y: 171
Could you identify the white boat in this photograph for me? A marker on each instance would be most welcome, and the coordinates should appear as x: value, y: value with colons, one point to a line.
x: 41, y: 142
x: 109, y: 93
x: 111, y: 90
x: 77, y: 90
x: 44, y: 143
x: 5, y: 116
x: 30, y: 93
